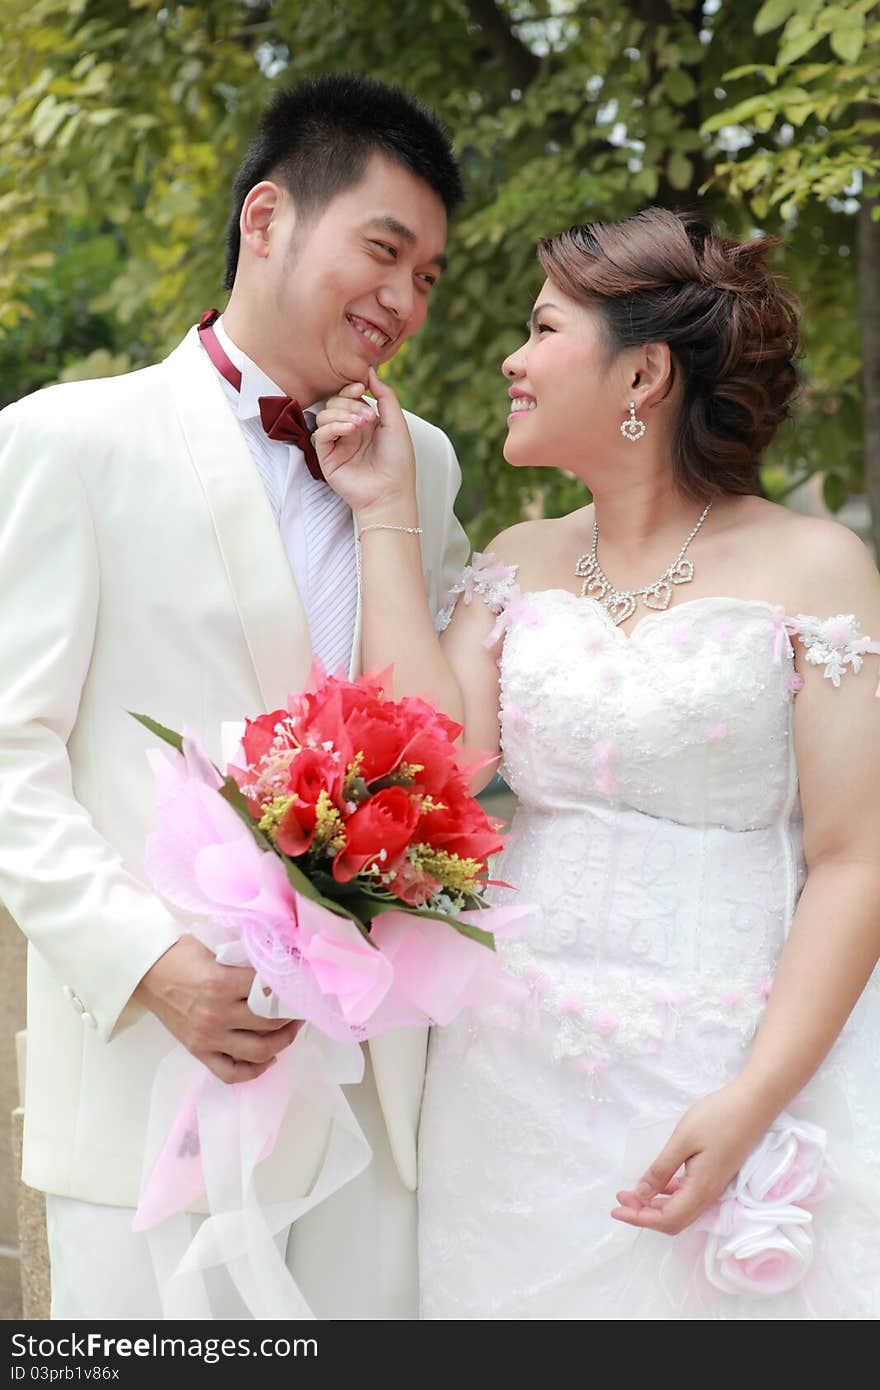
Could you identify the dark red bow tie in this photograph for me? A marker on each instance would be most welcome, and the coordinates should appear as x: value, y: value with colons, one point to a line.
x: 282, y: 416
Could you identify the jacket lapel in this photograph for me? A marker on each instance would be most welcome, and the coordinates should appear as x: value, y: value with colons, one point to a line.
x: 263, y: 588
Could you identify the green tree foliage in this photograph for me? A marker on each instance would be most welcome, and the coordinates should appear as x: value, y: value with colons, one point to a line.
x: 809, y: 164
x: 124, y: 120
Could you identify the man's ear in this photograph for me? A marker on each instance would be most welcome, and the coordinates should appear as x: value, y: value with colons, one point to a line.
x: 259, y: 210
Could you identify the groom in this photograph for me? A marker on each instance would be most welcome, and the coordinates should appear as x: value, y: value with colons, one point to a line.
x: 168, y: 544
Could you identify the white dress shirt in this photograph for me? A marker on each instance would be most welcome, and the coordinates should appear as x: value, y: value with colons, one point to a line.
x: 317, y: 527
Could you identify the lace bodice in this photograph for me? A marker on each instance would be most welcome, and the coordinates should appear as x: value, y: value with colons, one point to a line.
x: 688, y: 717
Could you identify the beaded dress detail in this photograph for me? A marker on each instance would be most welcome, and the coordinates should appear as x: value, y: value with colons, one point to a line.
x: 658, y: 837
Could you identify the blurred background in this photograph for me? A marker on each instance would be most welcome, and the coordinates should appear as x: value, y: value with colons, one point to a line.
x: 122, y: 122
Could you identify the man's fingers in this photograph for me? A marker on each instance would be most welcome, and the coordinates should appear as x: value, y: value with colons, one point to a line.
x: 248, y: 1046
x: 230, y: 1069
x: 243, y: 1017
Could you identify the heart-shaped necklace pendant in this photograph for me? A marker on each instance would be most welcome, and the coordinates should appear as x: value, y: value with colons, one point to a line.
x: 585, y: 566
x: 658, y: 595
x: 621, y: 604
x: 620, y: 607
x: 594, y: 587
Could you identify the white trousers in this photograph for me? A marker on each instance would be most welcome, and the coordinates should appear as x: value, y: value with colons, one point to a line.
x: 354, y: 1256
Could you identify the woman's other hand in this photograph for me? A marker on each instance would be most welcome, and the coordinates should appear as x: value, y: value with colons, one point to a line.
x: 710, y: 1143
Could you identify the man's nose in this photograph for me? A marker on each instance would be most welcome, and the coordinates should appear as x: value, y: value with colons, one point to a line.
x: 396, y: 295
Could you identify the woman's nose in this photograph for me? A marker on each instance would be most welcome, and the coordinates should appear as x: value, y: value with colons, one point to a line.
x: 511, y: 366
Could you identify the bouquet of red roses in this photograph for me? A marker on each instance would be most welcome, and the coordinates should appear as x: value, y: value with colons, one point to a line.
x: 367, y: 798
x: 341, y: 855
x: 337, y: 842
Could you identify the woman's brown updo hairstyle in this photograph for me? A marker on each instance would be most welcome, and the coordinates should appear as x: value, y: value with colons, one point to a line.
x: 732, y: 329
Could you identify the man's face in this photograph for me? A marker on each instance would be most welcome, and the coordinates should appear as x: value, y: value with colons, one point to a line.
x: 347, y: 286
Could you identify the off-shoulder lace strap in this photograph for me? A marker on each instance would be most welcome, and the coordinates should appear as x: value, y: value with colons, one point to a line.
x: 836, y: 643
x: 486, y: 575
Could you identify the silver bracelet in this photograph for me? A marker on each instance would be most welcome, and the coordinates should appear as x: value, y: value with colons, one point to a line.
x: 389, y: 526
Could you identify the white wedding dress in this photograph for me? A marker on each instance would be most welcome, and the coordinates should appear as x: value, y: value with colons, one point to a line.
x: 658, y: 838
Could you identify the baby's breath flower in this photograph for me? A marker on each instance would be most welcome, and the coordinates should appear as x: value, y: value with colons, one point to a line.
x: 329, y: 837
x: 274, y: 813
x: 456, y: 874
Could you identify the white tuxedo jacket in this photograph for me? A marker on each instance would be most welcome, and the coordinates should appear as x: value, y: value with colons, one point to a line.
x: 141, y: 569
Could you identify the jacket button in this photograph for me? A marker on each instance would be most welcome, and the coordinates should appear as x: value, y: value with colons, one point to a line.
x: 67, y: 992
x: 78, y: 1004
x: 89, y: 1020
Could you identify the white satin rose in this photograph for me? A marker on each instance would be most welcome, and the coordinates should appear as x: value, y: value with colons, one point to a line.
x: 760, y: 1238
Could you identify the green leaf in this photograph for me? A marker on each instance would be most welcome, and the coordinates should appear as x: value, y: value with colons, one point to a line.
x: 484, y: 938
x: 848, y: 43
x: 46, y: 119
x: 747, y: 69
x: 679, y: 86
x: 794, y: 48
x: 167, y: 735
x: 680, y: 170
x: 835, y: 491
x: 771, y: 14
x: 646, y: 181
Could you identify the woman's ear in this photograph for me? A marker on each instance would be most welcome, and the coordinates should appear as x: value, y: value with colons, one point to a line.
x: 654, y: 374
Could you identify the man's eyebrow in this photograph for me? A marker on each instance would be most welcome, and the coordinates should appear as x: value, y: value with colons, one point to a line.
x: 538, y: 309
x: 399, y: 229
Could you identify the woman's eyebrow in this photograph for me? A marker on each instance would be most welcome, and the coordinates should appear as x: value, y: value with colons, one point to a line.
x: 538, y: 309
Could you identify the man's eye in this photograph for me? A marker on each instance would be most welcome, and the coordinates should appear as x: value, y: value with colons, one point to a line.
x: 428, y: 280
x: 384, y: 246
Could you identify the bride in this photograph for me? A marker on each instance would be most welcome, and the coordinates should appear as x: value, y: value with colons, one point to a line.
x: 681, y: 1121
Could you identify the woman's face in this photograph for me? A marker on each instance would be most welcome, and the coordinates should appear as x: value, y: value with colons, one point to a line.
x: 566, y: 389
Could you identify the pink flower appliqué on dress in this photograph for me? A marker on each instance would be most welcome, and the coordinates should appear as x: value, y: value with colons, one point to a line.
x: 759, y: 1236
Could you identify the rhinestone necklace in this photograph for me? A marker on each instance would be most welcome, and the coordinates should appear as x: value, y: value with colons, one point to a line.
x: 621, y: 603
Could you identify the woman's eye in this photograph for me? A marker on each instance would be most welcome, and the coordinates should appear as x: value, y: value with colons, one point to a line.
x: 544, y: 328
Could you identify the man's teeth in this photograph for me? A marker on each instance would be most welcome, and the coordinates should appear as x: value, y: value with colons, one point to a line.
x: 522, y: 403
x: 378, y: 339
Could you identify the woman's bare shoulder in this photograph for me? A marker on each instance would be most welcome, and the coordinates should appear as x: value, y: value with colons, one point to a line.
x: 812, y: 564
x: 535, y: 543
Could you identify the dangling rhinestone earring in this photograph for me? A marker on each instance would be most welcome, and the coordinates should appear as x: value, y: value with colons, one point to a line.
x: 633, y: 428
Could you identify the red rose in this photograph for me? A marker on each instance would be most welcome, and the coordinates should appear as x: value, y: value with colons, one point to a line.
x: 461, y: 828
x: 420, y: 716
x: 436, y: 758
x: 311, y: 772
x: 319, y: 721
x: 385, y: 822
x: 380, y: 735
x: 259, y: 735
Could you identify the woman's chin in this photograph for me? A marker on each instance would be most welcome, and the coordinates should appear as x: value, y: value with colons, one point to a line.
x: 516, y: 455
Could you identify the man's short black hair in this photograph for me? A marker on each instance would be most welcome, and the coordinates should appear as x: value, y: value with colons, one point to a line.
x: 316, y: 138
